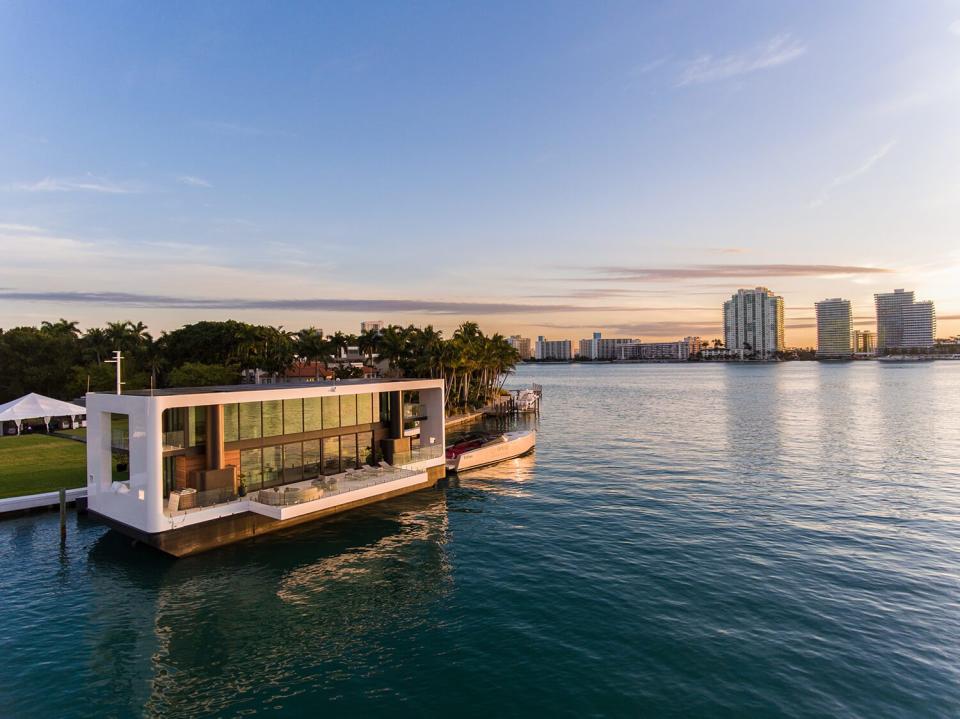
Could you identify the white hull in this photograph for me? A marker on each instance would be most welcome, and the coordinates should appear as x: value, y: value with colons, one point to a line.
x: 505, y: 446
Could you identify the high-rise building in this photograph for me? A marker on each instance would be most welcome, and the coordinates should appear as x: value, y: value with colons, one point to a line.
x: 889, y: 307
x: 521, y: 345
x: 598, y: 348
x: 919, y: 325
x: 552, y: 349
x: 864, y: 342
x: 679, y: 350
x: 371, y: 326
x: 753, y: 322
x: 904, y: 323
x: 834, y: 318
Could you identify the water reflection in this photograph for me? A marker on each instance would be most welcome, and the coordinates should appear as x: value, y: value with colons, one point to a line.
x: 261, y: 621
x: 754, y: 420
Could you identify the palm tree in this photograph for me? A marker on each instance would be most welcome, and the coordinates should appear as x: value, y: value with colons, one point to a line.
x: 61, y: 327
x: 96, y: 345
x: 369, y: 343
x: 340, y: 342
x: 393, y: 347
x: 312, y: 347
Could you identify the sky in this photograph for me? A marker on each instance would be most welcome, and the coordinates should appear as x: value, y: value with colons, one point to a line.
x: 540, y: 168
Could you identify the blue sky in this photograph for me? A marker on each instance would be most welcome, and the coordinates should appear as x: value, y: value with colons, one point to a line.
x: 543, y: 168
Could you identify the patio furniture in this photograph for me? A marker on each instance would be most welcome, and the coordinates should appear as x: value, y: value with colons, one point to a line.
x: 270, y: 497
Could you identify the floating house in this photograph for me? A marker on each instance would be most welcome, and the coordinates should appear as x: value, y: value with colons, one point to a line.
x: 186, y: 470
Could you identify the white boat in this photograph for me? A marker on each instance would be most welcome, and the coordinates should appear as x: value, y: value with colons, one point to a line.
x: 527, y: 401
x: 480, y: 452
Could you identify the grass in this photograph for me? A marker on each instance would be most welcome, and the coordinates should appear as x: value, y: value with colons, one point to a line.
x: 31, y: 464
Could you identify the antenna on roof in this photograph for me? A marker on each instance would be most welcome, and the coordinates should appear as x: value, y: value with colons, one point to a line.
x: 117, y: 359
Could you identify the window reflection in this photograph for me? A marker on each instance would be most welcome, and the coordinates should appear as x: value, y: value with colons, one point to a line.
x: 331, y: 412
x: 272, y: 418
x: 331, y: 455
x: 231, y: 423
x: 348, y: 451
x: 292, y: 462
x: 272, y: 465
x: 312, y: 414
x: 251, y: 468
x: 250, y: 420
x: 348, y: 410
x: 292, y: 416
x: 311, y: 459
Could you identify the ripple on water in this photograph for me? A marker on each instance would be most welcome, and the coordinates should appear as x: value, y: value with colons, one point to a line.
x: 713, y: 540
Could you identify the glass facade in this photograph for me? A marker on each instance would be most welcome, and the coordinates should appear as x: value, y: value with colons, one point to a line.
x: 270, y: 421
x: 312, y: 414
x: 231, y: 422
x: 331, y: 455
x: 272, y: 411
x: 331, y: 412
x: 257, y: 420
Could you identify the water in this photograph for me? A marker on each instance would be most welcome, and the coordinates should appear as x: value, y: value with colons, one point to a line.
x: 714, y: 540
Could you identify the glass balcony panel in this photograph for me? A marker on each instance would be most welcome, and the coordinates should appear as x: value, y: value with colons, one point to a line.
x: 173, y: 440
x: 420, y: 454
x: 414, y: 411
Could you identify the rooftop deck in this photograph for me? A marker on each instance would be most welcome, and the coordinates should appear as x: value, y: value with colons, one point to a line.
x: 175, y: 391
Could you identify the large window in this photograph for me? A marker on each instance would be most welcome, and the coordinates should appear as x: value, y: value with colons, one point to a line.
x: 292, y: 416
x: 311, y: 459
x: 251, y: 468
x: 197, y: 426
x: 331, y: 412
x: 292, y: 462
x: 364, y: 409
x: 365, y: 448
x: 272, y: 418
x: 348, y: 451
x: 297, y: 461
x: 312, y: 414
x: 250, y: 420
x: 231, y: 423
x: 331, y: 455
x: 348, y: 410
x: 272, y: 465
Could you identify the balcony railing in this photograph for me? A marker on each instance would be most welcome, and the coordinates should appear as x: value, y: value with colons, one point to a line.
x: 414, y: 411
x: 174, y: 440
x: 420, y: 454
x: 329, y: 486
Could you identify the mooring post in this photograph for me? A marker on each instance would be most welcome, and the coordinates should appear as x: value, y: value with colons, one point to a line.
x: 63, y: 515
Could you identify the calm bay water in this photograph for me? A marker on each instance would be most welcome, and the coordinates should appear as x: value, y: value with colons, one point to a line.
x: 718, y: 540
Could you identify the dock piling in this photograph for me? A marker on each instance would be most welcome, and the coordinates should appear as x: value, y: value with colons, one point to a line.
x: 63, y: 515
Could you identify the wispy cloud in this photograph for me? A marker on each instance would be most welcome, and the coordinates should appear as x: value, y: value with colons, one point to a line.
x: 13, y: 227
x: 776, y: 51
x: 715, y: 271
x: 848, y: 177
x: 338, y: 304
x: 193, y: 181
x: 648, y: 67
x: 955, y: 28
x: 87, y: 183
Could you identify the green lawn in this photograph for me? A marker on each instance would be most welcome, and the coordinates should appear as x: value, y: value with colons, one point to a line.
x: 37, y: 463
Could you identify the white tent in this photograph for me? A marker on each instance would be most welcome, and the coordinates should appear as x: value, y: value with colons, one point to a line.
x: 33, y: 405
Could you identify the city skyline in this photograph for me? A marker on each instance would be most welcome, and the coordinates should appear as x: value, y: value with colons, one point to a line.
x: 624, y: 171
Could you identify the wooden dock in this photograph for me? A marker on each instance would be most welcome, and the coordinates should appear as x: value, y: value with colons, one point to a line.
x: 12, y: 506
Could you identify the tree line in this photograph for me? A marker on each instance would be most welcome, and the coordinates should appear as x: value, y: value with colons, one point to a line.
x: 60, y: 360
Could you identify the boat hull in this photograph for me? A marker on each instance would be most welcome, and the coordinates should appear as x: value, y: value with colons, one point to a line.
x: 517, y: 444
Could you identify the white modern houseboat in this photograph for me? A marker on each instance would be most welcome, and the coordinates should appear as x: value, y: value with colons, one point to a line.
x: 187, y: 470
